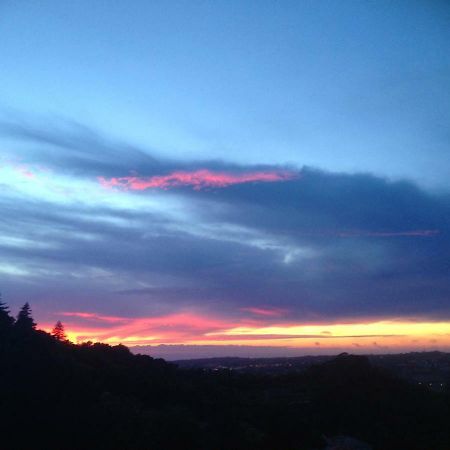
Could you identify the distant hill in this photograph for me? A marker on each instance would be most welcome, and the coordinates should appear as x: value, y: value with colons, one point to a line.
x: 430, y: 369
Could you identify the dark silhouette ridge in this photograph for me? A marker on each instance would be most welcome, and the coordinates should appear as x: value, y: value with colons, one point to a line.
x: 56, y: 395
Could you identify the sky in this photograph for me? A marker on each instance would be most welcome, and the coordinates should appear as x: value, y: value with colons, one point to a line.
x: 228, y: 178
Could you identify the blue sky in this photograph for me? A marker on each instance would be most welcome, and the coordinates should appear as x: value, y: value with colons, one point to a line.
x: 276, y: 160
x: 339, y: 85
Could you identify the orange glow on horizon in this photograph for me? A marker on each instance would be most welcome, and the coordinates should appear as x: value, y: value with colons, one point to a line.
x: 196, y: 329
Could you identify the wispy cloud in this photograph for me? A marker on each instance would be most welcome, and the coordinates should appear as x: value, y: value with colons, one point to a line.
x: 381, y: 234
x: 268, y: 312
x: 197, y: 179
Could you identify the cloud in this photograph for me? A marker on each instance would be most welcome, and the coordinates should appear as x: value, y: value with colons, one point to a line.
x: 381, y: 234
x: 322, y: 246
x: 268, y: 312
x: 198, y: 179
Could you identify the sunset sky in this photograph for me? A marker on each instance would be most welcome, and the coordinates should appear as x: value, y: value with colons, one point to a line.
x: 228, y: 177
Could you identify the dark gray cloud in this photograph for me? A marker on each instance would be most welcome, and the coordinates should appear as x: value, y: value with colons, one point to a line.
x: 323, y: 246
x: 75, y: 148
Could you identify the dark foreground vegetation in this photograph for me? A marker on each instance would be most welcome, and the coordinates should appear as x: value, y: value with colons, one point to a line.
x: 56, y: 396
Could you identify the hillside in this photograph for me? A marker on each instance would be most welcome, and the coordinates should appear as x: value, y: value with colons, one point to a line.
x: 59, y: 396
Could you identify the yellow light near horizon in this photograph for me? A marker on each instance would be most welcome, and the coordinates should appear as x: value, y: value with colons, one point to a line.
x: 386, y: 328
x: 395, y: 334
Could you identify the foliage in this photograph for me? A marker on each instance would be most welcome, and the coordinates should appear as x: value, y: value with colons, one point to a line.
x: 58, y: 331
x: 6, y: 321
x: 25, y: 320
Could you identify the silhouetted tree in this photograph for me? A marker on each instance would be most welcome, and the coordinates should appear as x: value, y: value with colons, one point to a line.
x: 6, y: 320
x: 58, y: 332
x: 24, y: 320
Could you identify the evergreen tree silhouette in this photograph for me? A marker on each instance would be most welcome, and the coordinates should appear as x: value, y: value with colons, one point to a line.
x: 58, y: 332
x: 24, y: 320
x: 6, y: 321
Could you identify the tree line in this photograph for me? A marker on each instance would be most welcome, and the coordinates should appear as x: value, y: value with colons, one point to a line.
x: 24, y: 321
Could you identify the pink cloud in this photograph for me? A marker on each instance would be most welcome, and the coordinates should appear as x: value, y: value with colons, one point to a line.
x: 82, y: 326
x: 268, y: 312
x: 25, y: 171
x: 423, y: 233
x: 198, y: 179
x: 94, y: 317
